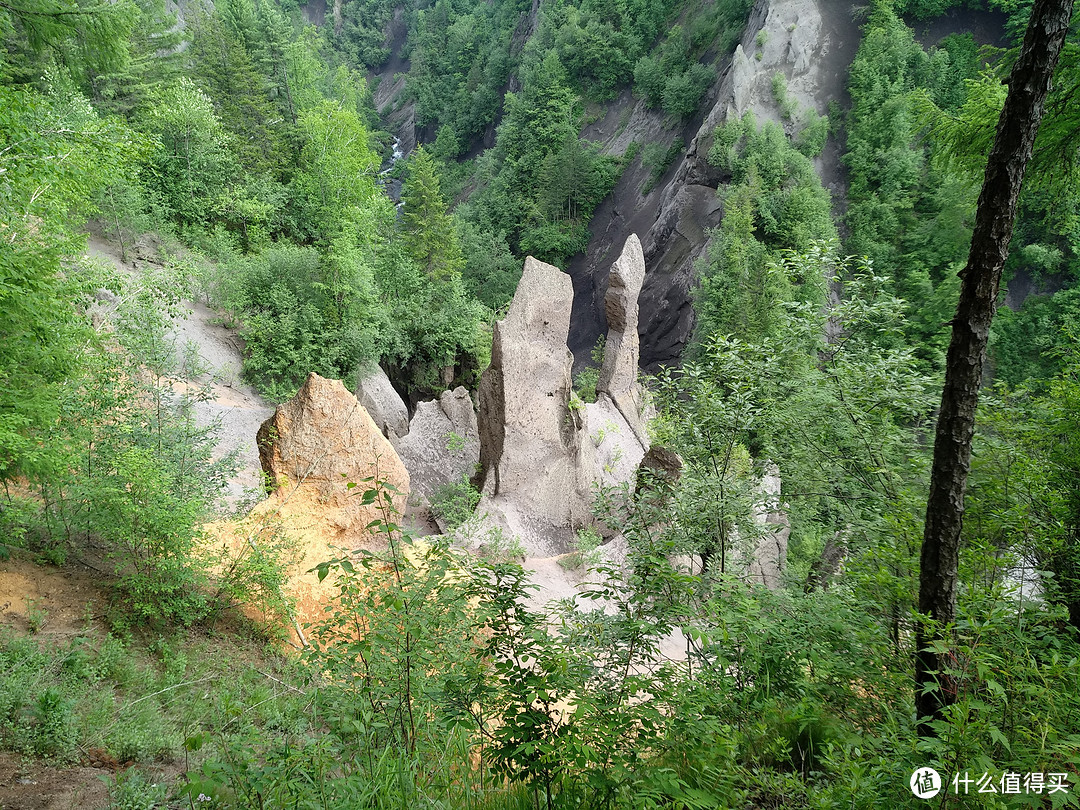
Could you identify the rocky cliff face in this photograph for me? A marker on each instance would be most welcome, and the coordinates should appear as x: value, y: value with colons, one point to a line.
x: 811, y: 43
x: 769, y: 552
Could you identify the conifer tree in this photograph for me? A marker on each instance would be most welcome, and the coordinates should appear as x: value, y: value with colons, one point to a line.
x: 425, y: 223
x: 1029, y: 84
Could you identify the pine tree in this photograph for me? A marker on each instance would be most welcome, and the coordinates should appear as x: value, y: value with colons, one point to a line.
x: 426, y: 225
x: 1029, y: 84
x: 228, y: 72
x: 152, y: 61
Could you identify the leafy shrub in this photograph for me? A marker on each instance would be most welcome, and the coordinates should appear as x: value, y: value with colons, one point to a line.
x: 649, y: 80
x: 683, y: 91
x: 141, y: 734
x: 132, y: 790
x: 586, y: 550
x: 455, y: 503
x: 813, y: 134
x: 657, y: 160
x: 52, y: 724
x: 291, y: 324
x: 496, y: 547
x: 787, y: 105
x: 586, y: 380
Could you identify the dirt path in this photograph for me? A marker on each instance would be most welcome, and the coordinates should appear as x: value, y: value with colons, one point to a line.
x: 28, y: 785
x: 234, y: 406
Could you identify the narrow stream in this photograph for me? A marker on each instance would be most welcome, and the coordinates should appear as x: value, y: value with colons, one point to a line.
x: 392, y: 185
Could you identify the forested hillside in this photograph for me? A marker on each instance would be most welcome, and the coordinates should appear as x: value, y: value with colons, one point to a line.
x: 351, y: 188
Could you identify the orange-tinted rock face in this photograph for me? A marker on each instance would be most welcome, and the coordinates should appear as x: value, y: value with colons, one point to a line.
x: 311, y: 449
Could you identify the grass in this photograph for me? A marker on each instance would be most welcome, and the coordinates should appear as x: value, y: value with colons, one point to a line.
x: 100, y: 698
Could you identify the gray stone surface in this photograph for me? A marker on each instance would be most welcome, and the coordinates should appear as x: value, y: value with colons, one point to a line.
x: 443, y: 442
x: 769, y: 555
x: 537, y: 461
x: 618, y: 380
x: 382, y: 402
x: 618, y: 448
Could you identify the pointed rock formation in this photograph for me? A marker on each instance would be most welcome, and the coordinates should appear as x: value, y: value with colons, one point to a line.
x: 617, y: 419
x: 537, y: 463
x: 382, y: 402
x: 619, y: 374
x: 443, y: 442
x: 770, y: 549
x: 311, y: 449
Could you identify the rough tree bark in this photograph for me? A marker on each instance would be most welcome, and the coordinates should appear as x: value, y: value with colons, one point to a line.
x: 1029, y: 84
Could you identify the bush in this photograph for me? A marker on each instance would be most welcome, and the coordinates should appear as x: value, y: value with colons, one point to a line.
x: 657, y: 160
x: 683, y: 91
x: 649, y: 80
x: 132, y: 790
x: 586, y: 550
x: 455, y: 503
x: 290, y: 321
x: 811, y: 138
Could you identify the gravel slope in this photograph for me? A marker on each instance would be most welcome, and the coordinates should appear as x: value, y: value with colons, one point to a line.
x: 235, y: 406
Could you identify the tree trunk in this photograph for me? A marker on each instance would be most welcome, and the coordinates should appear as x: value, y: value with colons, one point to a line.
x: 1029, y: 84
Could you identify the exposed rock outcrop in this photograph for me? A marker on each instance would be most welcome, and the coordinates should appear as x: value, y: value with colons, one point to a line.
x: 617, y: 420
x: 382, y: 402
x: 810, y: 43
x: 443, y: 442
x: 311, y: 449
x: 618, y: 442
x: 537, y: 461
x: 659, y: 464
x: 618, y: 380
x: 769, y: 554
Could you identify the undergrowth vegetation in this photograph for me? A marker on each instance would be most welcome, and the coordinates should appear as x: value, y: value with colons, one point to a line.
x: 430, y: 683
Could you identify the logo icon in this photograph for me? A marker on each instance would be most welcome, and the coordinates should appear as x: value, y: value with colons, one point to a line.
x: 925, y: 783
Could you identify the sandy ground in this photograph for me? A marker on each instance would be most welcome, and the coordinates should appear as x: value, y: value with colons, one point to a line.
x: 28, y: 785
x: 235, y: 406
x: 57, y: 604
x: 53, y: 602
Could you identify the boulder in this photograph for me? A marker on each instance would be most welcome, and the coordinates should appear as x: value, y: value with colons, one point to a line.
x: 311, y: 449
x: 382, y: 402
x: 658, y: 465
x: 537, y: 461
x: 443, y: 442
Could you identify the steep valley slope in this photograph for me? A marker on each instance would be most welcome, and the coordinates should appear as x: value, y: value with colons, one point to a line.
x: 809, y: 42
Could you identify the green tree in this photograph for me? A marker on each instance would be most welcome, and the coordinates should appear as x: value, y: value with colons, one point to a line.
x: 225, y: 49
x: 425, y: 223
x: 1029, y: 84
x: 337, y: 174
x: 56, y: 155
x: 192, y: 160
x: 775, y: 202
